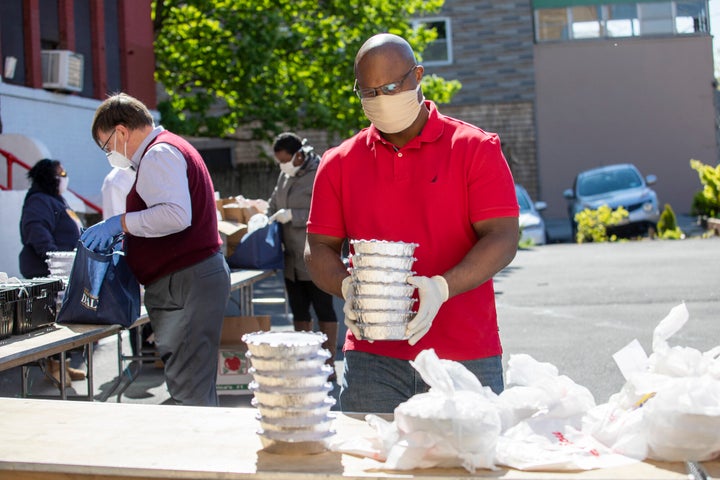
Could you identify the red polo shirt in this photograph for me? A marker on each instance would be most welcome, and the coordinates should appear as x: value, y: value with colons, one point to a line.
x: 429, y: 192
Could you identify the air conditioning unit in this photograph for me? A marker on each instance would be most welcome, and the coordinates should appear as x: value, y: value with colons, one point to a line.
x: 62, y: 70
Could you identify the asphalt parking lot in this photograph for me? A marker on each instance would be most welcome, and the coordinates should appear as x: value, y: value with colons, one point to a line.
x: 570, y: 305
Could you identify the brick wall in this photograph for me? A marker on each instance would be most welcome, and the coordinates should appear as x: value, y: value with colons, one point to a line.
x: 514, y: 123
x: 492, y: 51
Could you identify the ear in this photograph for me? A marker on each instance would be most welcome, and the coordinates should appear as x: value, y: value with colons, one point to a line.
x: 123, y: 131
x: 419, y: 71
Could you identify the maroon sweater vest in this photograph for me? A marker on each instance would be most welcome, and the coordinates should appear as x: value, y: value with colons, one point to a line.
x: 153, y: 258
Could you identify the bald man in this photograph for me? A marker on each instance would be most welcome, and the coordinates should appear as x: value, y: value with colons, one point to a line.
x: 418, y: 176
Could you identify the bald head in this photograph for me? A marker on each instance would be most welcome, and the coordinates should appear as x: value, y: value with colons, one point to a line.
x: 385, y: 45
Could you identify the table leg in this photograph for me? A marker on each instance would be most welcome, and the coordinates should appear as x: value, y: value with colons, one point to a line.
x: 24, y: 371
x: 63, y: 372
x: 90, y: 387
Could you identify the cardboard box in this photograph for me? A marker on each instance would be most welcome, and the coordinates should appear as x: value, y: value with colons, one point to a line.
x: 231, y: 233
x: 233, y: 377
x: 233, y: 211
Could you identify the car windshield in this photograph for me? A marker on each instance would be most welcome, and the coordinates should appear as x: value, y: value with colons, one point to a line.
x: 608, y: 181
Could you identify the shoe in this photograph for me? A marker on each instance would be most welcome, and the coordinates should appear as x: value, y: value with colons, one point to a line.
x: 53, y: 370
x: 74, y: 373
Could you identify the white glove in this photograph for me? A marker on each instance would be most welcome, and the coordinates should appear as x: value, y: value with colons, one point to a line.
x: 348, y: 292
x: 433, y: 292
x: 281, y: 216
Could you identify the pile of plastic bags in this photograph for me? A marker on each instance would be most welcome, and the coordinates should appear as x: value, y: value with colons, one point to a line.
x: 669, y: 409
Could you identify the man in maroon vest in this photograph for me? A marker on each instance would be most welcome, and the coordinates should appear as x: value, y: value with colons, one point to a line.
x: 171, y: 243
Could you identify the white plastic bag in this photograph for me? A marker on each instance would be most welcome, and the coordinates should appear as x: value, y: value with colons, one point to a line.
x: 542, y: 413
x: 682, y: 420
x: 455, y: 424
x: 669, y: 407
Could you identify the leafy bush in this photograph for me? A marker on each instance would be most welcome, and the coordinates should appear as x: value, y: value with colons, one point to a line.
x: 707, y: 201
x: 592, y: 224
x: 667, y: 225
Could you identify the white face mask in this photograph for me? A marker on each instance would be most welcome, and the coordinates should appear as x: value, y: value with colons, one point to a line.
x: 63, y: 185
x: 289, y: 169
x: 393, y: 113
x: 117, y: 159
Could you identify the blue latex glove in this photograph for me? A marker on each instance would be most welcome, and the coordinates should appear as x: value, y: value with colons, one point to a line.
x: 101, y: 236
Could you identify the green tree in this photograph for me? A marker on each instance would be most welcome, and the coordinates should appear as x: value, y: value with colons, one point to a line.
x: 270, y: 65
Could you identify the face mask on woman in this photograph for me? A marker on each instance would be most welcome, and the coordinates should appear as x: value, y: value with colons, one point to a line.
x: 289, y: 169
x: 63, y: 184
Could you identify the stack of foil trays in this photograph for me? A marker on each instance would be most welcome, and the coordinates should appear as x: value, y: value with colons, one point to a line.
x: 382, y: 297
x: 60, y: 264
x: 290, y: 389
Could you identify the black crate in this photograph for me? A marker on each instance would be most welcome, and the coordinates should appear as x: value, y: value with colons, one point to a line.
x: 36, y: 305
x: 8, y: 305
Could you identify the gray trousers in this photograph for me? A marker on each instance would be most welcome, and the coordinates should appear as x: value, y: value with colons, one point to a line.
x: 186, y: 310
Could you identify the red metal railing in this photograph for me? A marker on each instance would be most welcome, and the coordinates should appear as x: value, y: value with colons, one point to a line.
x: 12, y: 159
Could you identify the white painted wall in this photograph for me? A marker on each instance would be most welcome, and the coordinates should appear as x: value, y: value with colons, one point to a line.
x: 10, y: 246
x: 62, y: 123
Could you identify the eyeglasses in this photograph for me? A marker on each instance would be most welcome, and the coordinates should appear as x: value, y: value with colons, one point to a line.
x: 104, y: 145
x: 387, y: 89
x: 62, y: 174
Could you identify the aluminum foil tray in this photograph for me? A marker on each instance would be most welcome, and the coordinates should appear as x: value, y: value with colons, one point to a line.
x: 383, y: 247
x: 284, y: 343
x: 382, y: 261
x: 289, y: 397
x: 315, y: 424
x: 291, y: 379
x: 383, y: 289
x: 313, y: 410
x: 388, y: 331
x: 296, y: 421
x: 288, y: 364
x: 380, y: 275
x: 373, y: 317
x: 383, y: 303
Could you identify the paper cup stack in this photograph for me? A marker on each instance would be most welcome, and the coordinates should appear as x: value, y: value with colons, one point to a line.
x: 382, y: 298
x: 291, y: 390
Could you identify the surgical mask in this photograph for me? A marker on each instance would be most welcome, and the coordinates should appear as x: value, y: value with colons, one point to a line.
x: 289, y: 169
x: 117, y: 159
x: 393, y: 113
x: 63, y: 184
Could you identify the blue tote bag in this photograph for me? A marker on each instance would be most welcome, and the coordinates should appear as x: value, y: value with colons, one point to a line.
x: 101, y: 290
x: 260, y: 250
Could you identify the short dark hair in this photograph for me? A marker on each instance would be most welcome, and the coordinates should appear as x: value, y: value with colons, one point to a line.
x: 120, y: 109
x: 287, y: 141
x: 43, y: 176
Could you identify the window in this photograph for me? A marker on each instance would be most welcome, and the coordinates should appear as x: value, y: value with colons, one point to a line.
x: 655, y: 18
x: 691, y: 17
x: 552, y: 23
x: 585, y: 21
x: 580, y: 19
x: 439, y: 52
x: 621, y: 20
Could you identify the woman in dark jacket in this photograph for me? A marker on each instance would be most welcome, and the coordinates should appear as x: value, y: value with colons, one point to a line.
x: 47, y: 223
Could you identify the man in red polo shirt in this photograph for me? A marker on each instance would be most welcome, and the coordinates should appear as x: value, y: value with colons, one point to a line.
x: 418, y: 176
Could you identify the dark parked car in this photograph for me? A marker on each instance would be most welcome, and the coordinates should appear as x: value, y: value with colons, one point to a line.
x: 615, y: 186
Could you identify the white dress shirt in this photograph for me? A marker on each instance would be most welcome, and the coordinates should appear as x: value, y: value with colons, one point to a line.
x: 162, y: 183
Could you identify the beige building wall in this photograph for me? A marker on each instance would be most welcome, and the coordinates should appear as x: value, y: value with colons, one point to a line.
x: 647, y: 101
